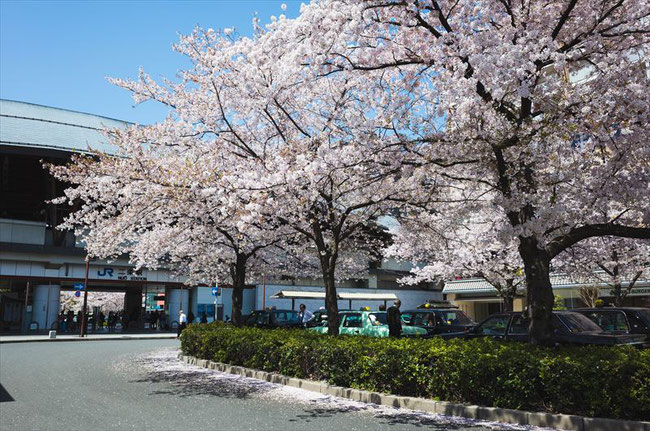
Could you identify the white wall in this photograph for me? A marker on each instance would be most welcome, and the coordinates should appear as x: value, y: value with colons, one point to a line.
x: 46, y: 305
x: 173, y: 303
x: 22, y: 232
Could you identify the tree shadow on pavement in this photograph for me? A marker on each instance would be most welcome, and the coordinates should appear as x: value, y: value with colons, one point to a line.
x: 185, y: 381
x: 420, y: 420
x: 410, y: 419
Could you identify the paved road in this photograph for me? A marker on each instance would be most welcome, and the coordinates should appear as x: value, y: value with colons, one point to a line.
x: 139, y: 384
x: 90, y: 337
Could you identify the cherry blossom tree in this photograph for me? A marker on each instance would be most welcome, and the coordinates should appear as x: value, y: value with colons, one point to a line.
x: 153, y: 202
x: 454, y: 247
x: 542, y: 108
x: 617, y: 263
x: 254, y: 147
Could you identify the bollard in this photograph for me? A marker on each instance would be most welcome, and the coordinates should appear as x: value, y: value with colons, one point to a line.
x: 52, y: 334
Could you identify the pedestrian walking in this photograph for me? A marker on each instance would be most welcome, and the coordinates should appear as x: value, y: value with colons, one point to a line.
x: 62, y: 322
x: 204, y: 318
x: 304, y: 315
x: 100, y: 320
x: 162, y: 321
x: 394, y: 319
x: 182, y: 323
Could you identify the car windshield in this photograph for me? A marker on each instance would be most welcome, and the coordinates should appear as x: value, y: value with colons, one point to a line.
x: 377, y: 319
x: 577, y: 323
x: 285, y: 317
x: 416, y: 318
x: 352, y: 320
x: 455, y: 317
x: 253, y: 317
x: 645, y: 315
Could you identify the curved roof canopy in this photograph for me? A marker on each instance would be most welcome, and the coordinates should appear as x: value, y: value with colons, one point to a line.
x: 301, y: 294
x: 36, y: 126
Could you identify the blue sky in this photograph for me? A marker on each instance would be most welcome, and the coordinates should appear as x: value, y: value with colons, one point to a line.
x: 58, y: 53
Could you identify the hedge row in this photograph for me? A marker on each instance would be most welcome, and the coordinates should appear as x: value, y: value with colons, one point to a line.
x: 609, y: 382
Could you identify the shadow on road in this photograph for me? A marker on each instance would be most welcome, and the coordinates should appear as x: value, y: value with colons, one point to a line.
x: 184, y: 381
x: 419, y: 420
x: 193, y: 383
x: 4, y: 395
x: 414, y: 420
x: 177, y: 379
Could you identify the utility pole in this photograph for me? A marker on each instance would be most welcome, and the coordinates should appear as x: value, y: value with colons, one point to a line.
x: 83, y: 312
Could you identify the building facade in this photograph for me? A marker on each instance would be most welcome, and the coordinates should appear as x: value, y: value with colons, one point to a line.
x: 479, y: 299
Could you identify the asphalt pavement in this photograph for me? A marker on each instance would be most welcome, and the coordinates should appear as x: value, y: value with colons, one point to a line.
x: 90, y: 337
x: 139, y: 384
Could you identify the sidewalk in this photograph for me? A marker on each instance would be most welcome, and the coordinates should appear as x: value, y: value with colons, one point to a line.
x: 90, y: 337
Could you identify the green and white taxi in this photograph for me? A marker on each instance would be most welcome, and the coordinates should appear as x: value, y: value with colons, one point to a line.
x: 368, y: 323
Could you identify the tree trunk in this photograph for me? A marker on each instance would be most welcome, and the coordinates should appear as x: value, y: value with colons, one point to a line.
x: 540, y: 291
x: 331, y: 301
x: 618, y: 293
x: 238, y: 274
x: 508, y: 303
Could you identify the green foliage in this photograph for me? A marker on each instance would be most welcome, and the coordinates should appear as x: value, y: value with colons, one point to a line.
x: 609, y: 382
x: 558, y: 303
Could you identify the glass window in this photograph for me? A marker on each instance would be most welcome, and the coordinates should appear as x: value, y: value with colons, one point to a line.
x: 251, y: 319
x: 377, y: 319
x: 576, y: 322
x: 494, y: 326
x: 455, y: 317
x: 644, y: 316
x: 419, y: 319
x: 352, y: 320
x: 261, y: 318
x: 519, y: 325
x: 609, y: 320
x: 285, y: 317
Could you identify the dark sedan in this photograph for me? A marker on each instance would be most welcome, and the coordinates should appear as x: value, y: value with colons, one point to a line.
x: 569, y: 328
x: 272, y: 319
x: 628, y: 320
x: 438, y: 320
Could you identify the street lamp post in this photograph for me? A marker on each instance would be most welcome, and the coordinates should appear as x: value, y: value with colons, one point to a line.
x: 83, y: 312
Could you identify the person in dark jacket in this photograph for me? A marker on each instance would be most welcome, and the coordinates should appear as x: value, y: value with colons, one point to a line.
x: 394, y: 319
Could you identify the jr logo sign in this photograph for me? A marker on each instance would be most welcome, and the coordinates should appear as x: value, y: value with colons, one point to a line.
x: 108, y: 272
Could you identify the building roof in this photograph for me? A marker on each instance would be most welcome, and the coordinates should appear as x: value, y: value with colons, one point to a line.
x: 301, y: 294
x: 36, y: 126
x: 558, y: 281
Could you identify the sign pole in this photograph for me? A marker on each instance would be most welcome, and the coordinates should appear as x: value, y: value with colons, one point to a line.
x: 25, y: 322
x: 83, y: 315
x: 264, y: 292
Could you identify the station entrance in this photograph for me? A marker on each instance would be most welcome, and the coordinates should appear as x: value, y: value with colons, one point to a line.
x: 37, y: 306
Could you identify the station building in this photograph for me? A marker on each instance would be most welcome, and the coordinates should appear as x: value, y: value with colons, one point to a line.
x: 38, y: 262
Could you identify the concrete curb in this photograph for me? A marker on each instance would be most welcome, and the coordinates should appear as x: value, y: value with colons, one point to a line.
x: 492, y: 414
x: 122, y: 338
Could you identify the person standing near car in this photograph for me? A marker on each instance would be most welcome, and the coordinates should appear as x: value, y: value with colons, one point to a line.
x: 304, y: 315
x: 394, y: 319
x: 182, y: 323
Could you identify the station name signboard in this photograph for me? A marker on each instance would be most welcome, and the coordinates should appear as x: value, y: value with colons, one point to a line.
x: 636, y: 291
x: 120, y: 273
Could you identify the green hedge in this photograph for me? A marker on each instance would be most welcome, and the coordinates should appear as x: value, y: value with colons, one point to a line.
x: 609, y: 382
